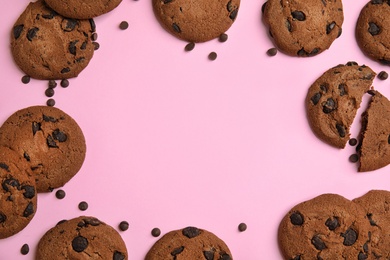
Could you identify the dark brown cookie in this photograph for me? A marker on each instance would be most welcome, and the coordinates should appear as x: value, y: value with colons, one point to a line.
x: 326, y: 227
x: 376, y: 204
x: 49, y: 140
x: 333, y: 99
x: 46, y: 45
x: 82, y: 9
x: 374, y: 152
x: 18, y: 199
x: 189, y: 243
x: 196, y: 21
x: 373, y: 30
x: 81, y: 238
x: 303, y: 27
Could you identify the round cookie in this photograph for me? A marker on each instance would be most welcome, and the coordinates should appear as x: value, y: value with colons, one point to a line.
x: 189, y: 243
x: 18, y: 200
x: 196, y: 21
x: 81, y: 238
x: 376, y: 204
x: 372, y: 30
x: 49, y: 140
x: 303, y: 27
x: 82, y: 9
x: 374, y: 152
x: 326, y: 227
x: 333, y: 100
x: 46, y: 45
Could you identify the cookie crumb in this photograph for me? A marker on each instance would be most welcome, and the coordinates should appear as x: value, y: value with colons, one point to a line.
x: 242, y: 227
x: 26, y: 79
x: 212, y: 56
x: 353, y: 158
x: 60, y: 194
x: 383, y: 75
x: 272, y: 52
x: 123, y: 25
x: 83, y: 206
x: 156, y: 232
x: 124, y: 225
x: 190, y: 46
x: 25, y: 249
x: 223, y: 37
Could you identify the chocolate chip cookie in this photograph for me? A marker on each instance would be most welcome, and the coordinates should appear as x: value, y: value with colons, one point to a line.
x: 196, y: 21
x: 81, y: 238
x: 82, y: 9
x: 49, y: 140
x: 374, y: 152
x: 18, y: 199
x: 376, y: 204
x: 373, y: 30
x: 189, y: 243
x: 46, y: 45
x: 326, y: 227
x: 333, y: 100
x: 303, y: 28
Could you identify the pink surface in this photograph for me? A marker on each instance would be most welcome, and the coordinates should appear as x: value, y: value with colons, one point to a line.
x: 176, y: 140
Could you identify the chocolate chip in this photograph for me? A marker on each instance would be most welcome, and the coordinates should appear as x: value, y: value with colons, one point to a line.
x: 332, y: 223
x: 384, y: 61
x: 50, y: 142
x: 372, y: 222
x: 32, y: 33
x: 353, y: 158
x: 298, y: 15
x: 24, y: 249
x: 92, y: 221
x: 340, y: 32
x: 11, y: 182
x: 362, y: 256
x: 223, y: 37
x: 383, y: 75
x: 64, y: 83
x: 79, y: 244
x: 233, y: 14
x: 26, y: 156
x: 263, y: 6
x: 72, y: 47
x: 296, y: 219
x: 4, y: 166
x: 376, y: 2
x: 17, y: 30
x: 94, y: 37
x: 242, y: 227
x: 96, y: 46
x: 209, y: 255
x: 118, y: 256
x: 190, y: 46
x: 124, y: 225
x: 49, y: 16
x: 302, y: 52
x: 352, y: 142
x: 177, y: 251
x: 59, y: 136
x: 83, y: 206
x: 176, y: 28
x: 50, y: 102
x: 288, y: 25
x: 3, y: 217
x: 191, y: 232
x: 26, y: 79
x: 212, y: 56
x: 298, y: 257
x: 28, y: 210
x: 29, y: 191
x: 318, y: 243
x: 341, y: 130
x: 167, y: 1
x: 36, y: 127
x: 342, y: 89
x: 52, y: 83
x: 93, y: 25
x: 330, y: 27
x: 65, y: 70
x: 373, y: 29
x: 316, y: 98
x: 272, y: 52
x: 123, y: 25
x: 229, y: 6
x: 329, y: 106
x: 225, y: 256
x: 49, y: 92
x: 60, y: 194
x: 68, y: 25
x: 156, y: 232
x: 350, y: 237
x: 48, y: 118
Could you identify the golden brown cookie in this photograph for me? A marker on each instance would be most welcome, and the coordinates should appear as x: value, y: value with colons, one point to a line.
x: 49, y: 140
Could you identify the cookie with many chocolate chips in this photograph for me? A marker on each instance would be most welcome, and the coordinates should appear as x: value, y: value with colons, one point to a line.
x: 81, y: 238
x: 376, y: 204
x: 189, y: 243
x: 326, y: 227
x: 374, y: 149
x: 18, y: 198
x: 49, y: 140
x: 303, y: 27
x: 333, y: 100
x: 373, y: 30
x: 46, y: 45
x: 82, y: 9
x: 196, y: 21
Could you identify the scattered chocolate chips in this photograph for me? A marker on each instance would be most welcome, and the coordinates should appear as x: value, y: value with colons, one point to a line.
x: 212, y: 56
x: 383, y: 75
x: 296, y: 219
x: 190, y: 46
x: 272, y: 52
x: 60, y: 194
x: 373, y: 29
x: 242, y: 227
x: 318, y: 243
x: 233, y: 14
x: 64, y: 83
x: 26, y: 79
x: 298, y: 15
x: 52, y: 83
x: 83, y: 206
x: 350, y: 237
x: 332, y: 223
x: 223, y: 37
x: 156, y: 232
x: 25, y: 249
x: 124, y: 225
x: 94, y: 37
x: 191, y: 232
x: 353, y: 158
x: 96, y: 45
x: 352, y: 142
x: 49, y: 92
x: 123, y: 25
x: 79, y: 244
x: 50, y: 102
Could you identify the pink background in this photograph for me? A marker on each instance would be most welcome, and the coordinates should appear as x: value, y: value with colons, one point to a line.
x: 176, y: 140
